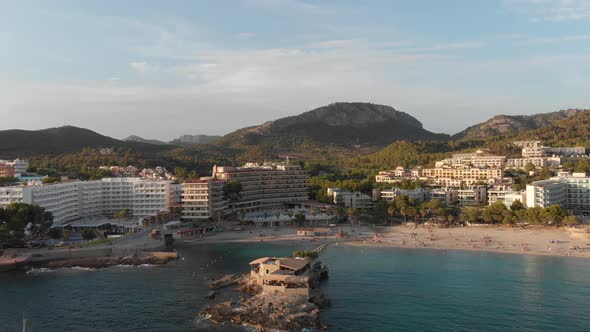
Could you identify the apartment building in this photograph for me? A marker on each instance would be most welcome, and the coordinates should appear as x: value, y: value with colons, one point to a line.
x: 538, y: 162
x: 203, y: 199
x: 20, y: 166
x: 347, y: 199
x: 6, y: 170
x: 419, y: 195
x: 268, y: 186
x: 506, y: 196
x: 476, y: 195
x: 446, y: 196
x: 73, y: 200
x: 571, y: 191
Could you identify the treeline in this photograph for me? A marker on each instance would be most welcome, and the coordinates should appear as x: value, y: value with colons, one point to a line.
x: 19, y: 222
x: 497, y: 213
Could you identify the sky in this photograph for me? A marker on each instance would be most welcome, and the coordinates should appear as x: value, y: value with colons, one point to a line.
x: 160, y: 69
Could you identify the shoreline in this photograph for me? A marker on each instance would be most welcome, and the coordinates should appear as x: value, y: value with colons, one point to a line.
x: 556, y: 242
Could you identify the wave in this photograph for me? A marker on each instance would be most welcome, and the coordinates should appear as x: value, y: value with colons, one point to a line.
x: 40, y: 270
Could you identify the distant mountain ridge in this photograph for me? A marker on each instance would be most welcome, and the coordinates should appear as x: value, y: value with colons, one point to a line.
x: 194, y: 139
x: 341, y: 124
x: 134, y: 138
x: 513, y: 124
x: 182, y: 140
x: 66, y: 139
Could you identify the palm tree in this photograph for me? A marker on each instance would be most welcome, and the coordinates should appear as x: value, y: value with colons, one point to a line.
x: 392, y: 211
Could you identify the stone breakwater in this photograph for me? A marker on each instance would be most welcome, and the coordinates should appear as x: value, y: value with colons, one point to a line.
x: 141, y: 258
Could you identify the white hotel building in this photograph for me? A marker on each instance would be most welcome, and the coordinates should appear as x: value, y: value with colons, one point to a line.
x: 69, y: 201
x: 570, y: 191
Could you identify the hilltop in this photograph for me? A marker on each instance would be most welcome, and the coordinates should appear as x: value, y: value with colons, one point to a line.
x: 345, y: 125
x: 513, y: 124
x: 66, y: 139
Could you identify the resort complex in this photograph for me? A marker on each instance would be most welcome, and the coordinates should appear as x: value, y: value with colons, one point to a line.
x: 73, y: 200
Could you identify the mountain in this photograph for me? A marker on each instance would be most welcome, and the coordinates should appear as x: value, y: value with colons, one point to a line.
x: 193, y: 139
x: 14, y: 143
x: 338, y: 124
x: 138, y: 139
x: 513, y: 124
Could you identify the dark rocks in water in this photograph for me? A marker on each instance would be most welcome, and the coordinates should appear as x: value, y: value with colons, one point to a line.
x: 268, y: 312
x: 226, y: 281
x: 321, y: 300
x: 103, y: 262
x: 211, y: 295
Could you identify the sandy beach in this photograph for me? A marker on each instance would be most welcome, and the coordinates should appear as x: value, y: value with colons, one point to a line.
x: 532, y: 240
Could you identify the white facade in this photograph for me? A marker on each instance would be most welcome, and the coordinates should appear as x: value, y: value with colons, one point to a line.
x: 347, y: 199
x: 476, y: 195
x: 73, y: 200
x: 203, y: 199
x: 569, y: 191
x: 506, y: 196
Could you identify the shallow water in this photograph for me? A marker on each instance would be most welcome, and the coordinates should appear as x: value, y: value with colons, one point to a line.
x: 372, y: 289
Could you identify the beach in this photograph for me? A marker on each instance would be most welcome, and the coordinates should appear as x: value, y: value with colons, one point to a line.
x: 495, y: 238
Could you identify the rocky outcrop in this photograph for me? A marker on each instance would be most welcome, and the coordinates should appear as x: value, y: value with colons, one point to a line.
x: 513, y: 124
x: 103, y: 262
x: 342, y: 124
x: 226, y: 281
x: 268, y: 312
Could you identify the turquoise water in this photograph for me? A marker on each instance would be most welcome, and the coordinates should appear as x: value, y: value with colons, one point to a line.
x: 372, y: 289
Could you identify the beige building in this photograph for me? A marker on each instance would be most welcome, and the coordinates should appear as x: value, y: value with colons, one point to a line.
x: 288, y: 276
x: 476, y: 195
x: 203, y: 199
x: 6, y: 171
x: 266, y: 186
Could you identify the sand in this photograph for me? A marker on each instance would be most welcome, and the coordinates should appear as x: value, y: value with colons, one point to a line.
x: 532, y: 240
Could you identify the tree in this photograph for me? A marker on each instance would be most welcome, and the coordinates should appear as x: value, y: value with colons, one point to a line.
x: 123, y: 214
x: 529, y: 167
x: 470, y: 214
x: 339, y: 212
x: 299, y: 218
x: 88, y: 234
x: 181, y: 173
x: 517, y: 206
x: 392, y: 211
x: 352, y: 215
x: 232, y: 192
x: 497, y: 213
x: 554, y: 214
x: 18, y: 220
x: 534, y: 215
x: 571, y: 221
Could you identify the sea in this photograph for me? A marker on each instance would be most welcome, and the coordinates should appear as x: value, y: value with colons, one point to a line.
x: 372, y: 289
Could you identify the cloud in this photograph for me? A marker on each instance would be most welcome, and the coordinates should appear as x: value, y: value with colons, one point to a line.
x: 553, y: 10
x: 245, y: 35
x: 283, y: 4
x: 551, y: 40
x: 448, y: 47
x: 142, y: 67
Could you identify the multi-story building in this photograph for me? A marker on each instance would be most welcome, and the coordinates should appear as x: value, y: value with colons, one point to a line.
x: 545, y: 193
x: 446, y: 196
x: 569, y: 191
x: 6, y: 170
x: 20, y: 166
x: 203, y: 199
x: 347, y: 199
x: 419, y: 195
x: 476, y: 195
x: 506, y: 196
x: 73, y: 200
x: 538, y: 162
x: 266, y: 187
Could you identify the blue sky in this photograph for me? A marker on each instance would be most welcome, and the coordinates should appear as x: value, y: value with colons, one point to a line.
x: 160, y: 69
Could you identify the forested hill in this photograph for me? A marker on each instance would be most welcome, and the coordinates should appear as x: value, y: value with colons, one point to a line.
x: 25, y: 143
x: 513, y: 124
x: 339, y: 124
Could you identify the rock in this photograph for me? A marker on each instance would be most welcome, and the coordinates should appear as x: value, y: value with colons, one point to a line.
x: 225, y: 281
x: 211, y: 295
